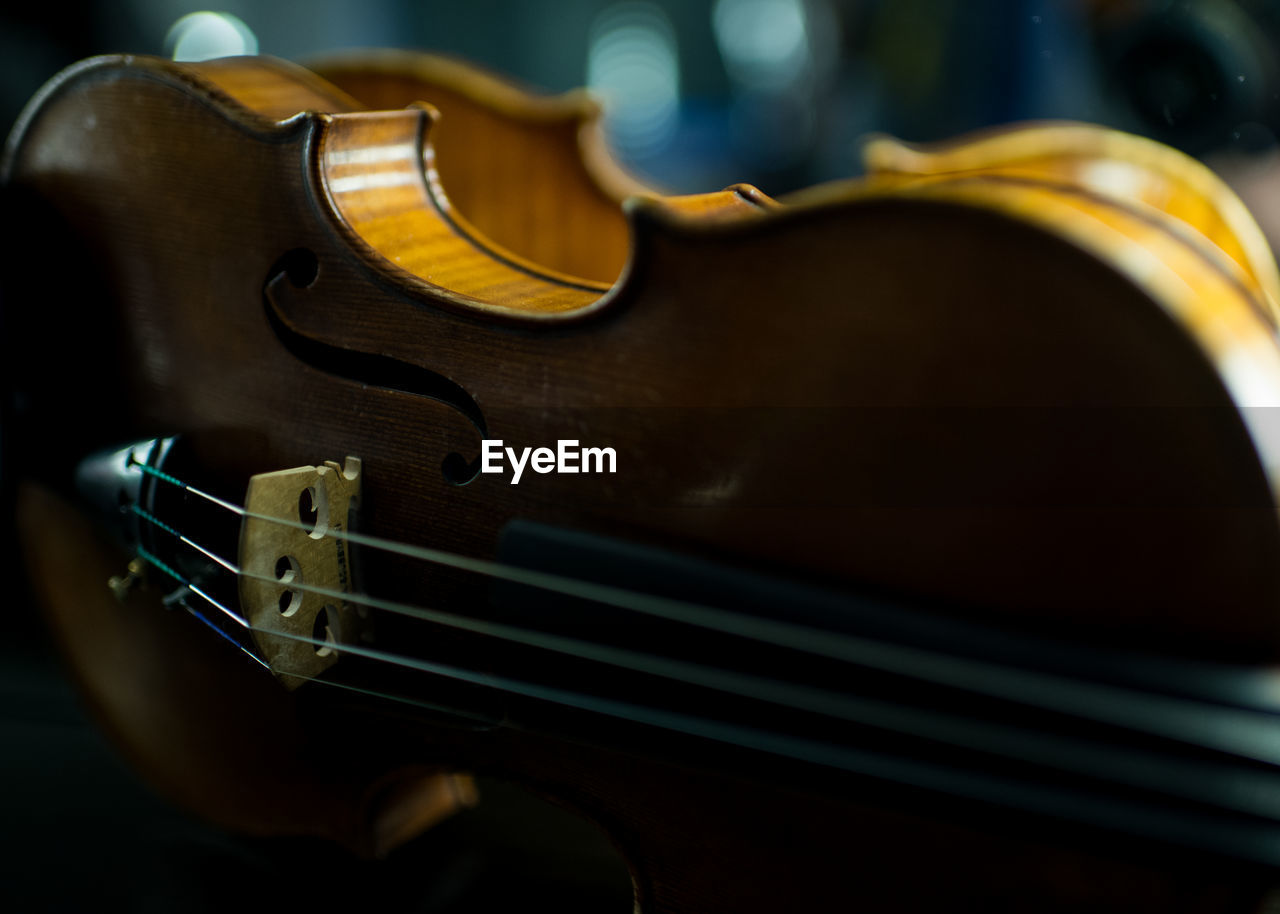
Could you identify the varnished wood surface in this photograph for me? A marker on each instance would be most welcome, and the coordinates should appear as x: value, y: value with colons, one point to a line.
x: 558, y: 201
x: 843, y: 320
x: 954, y: 391
x: 1122, y: 169
x: 530, y: 172
x: 383, y: 200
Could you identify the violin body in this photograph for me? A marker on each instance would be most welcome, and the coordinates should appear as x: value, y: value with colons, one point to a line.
x: 896, y: 388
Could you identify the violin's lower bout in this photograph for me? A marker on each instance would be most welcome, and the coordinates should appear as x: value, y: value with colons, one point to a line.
x: 249, y: 755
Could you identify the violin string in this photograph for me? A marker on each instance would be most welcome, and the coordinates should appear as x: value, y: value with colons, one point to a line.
x: 244, y: 624
x: 753, y: 627
x: 487, y: 722
x: 1248, y: 792
x: 1238, y: 732
x: 224, y: 636
x: 795, y: 696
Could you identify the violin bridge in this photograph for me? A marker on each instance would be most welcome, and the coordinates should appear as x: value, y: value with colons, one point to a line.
x: 296, y: 571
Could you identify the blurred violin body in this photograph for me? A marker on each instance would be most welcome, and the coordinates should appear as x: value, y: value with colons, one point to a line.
x: 921, y: 524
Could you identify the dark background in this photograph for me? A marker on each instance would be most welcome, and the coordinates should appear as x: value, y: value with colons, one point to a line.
x: 774, y: 92
x: 704, y: 94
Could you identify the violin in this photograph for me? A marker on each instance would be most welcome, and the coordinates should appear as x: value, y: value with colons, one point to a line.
x: 907, y: 542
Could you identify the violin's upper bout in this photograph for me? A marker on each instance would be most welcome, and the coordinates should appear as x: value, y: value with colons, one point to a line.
x: 524, y: 221
x: 985, y: 298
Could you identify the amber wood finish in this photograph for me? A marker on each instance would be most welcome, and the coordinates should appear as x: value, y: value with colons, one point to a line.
x: 1128, y: 172
x: 372, y: 171
x: 1004, y: 397
x: 533, y: 196
x: 529, y: 171
x: 270, y: 89
x: 373, y: 174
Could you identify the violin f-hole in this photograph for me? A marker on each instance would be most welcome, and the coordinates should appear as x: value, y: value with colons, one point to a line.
x: 300, y: 266
x: 297, y: 273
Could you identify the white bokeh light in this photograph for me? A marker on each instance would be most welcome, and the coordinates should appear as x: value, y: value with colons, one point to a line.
x: 632, y: 62
x: 206, y: 35
x: 765, y: 43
